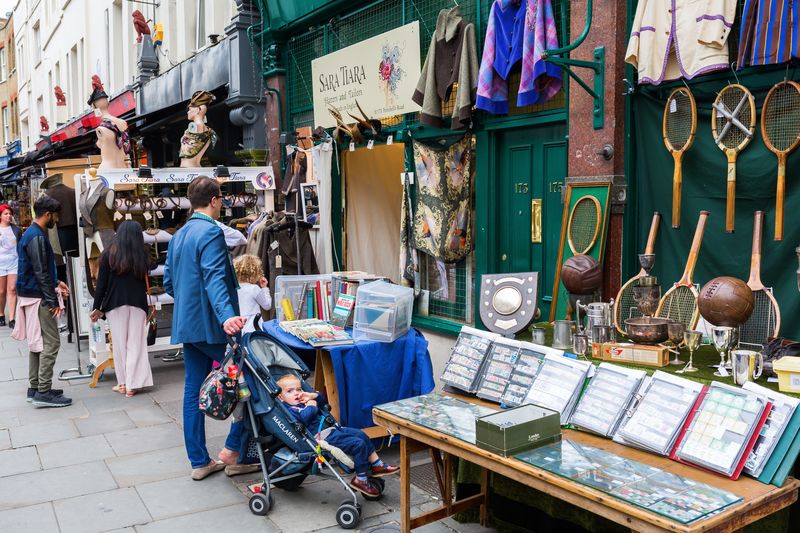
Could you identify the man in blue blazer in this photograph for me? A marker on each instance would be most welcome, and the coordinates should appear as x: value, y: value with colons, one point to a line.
x: 199, y: 275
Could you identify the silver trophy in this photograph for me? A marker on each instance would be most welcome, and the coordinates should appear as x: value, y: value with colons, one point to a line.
x: 724, y: 338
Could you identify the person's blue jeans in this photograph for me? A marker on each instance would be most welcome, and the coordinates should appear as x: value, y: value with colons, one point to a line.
x: 354, y: 443
x: 197, y: 359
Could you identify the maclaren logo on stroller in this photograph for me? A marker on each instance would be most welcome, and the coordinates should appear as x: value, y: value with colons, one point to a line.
x: 286, y: 430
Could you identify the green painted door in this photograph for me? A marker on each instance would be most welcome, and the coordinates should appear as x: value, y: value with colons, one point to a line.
x: 531, y: 164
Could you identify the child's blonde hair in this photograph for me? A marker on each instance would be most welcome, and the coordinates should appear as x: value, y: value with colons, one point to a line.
x: 249, y: 268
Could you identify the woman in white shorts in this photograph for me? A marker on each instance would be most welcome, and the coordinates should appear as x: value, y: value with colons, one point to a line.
x: 9, y: 236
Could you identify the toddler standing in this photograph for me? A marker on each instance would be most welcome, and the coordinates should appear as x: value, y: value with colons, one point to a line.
x: 253, y: 291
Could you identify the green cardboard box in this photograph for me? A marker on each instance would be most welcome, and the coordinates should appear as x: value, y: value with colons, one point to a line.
x: 516, y: 430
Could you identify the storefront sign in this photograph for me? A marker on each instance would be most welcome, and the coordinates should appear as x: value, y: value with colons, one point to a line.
x: 184, y: 175
x: 380, y: 72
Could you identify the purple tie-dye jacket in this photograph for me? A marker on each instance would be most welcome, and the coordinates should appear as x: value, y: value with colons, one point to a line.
x: 540, y: 80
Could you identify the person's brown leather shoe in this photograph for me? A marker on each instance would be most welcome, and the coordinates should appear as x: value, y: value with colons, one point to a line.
x: 384, y: 470
x: 365, y: 486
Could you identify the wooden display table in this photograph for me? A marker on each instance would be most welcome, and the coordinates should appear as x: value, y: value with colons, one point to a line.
x: 759, y: 500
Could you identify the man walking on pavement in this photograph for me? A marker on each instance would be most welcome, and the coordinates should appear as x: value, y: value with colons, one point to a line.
x: 199, y: 275
x: 40, y: 303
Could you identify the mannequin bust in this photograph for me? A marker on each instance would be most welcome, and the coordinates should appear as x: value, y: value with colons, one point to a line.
x: 96, y: 206
x: 198, y: 136
x: 112, y: 133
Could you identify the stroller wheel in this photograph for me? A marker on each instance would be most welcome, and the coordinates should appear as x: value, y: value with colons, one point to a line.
x: 348, y: 516
x: 259, y: 504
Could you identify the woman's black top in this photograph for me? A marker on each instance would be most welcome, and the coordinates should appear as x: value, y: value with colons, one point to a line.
x: 113, y: 290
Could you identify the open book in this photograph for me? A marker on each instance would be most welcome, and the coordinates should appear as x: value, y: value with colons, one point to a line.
x: 316, y: 332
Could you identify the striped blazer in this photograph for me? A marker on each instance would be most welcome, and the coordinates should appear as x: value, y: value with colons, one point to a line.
x: 769, y: 32
x: 671, y: 39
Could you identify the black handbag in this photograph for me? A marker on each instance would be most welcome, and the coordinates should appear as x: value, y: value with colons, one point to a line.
x: 152, y: 325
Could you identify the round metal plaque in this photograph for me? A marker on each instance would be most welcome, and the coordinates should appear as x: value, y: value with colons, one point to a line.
x: 507, y: 300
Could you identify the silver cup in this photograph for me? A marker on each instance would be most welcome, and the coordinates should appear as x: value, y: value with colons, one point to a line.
x: 602, y: 334
x: 562, y: 334
x: 724, y: 338
x: 747, y: 366
x: 538, y: 336
x: 580, y: 344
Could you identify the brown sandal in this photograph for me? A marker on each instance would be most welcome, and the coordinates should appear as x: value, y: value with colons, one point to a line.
x: 130, y: 393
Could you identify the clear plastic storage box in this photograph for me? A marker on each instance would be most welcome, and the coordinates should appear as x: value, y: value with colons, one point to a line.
x: 296, y: 290
x: 383, y: 311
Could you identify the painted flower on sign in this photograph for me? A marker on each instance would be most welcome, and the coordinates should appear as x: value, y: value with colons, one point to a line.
x: 389, y: 70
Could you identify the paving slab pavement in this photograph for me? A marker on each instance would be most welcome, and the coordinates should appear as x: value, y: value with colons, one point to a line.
x: 110, y: 463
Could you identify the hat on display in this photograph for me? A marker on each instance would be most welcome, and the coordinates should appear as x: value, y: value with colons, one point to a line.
x: 201, y: 98
x: 52, y: 181
x: 97, y: 90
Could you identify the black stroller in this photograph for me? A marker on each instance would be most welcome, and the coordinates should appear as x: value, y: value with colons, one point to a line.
x: 288, y: 451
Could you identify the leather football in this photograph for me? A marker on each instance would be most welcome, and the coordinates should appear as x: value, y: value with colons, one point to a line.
x: 726, y: 301
x: 581, y: 274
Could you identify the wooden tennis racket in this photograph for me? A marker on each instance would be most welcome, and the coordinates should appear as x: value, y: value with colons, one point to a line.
x: 765, y: 321
x: 583, y: 226
x: 680, y: 124
x: 780, y: 127
x: 680, y: 302
x: 733, y: 120
x: 623, y: 303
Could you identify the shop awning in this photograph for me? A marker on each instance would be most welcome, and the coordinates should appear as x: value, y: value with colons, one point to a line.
x: 122, y: 105
x: 10, y: 173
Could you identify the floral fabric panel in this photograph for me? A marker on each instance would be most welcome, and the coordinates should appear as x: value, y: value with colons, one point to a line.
x: 443, y: 210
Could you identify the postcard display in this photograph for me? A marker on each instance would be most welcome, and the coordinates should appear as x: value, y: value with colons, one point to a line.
x: 463, y: 369
x: 651, y: 488
x: 558, y: 384
x: 500, y: 362
x: 523, y: 374
x: 607, y: 398
x: 722, y: 429
x: 670, y: 495
x: 655, y: 422
x: 783, y: 408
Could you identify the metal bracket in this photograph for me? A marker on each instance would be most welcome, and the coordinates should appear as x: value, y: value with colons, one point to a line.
x: 597, y: 66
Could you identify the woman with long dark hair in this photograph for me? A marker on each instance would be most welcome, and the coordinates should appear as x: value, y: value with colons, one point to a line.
x: 121, y: 294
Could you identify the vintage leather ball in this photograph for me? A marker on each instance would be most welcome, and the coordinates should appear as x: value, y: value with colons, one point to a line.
x: 581, y: 274
x: 726, y: 301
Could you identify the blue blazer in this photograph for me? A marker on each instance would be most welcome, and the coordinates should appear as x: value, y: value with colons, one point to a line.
x: 199, y: 275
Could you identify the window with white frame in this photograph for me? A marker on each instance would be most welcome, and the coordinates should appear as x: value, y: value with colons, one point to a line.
x: 6, y: 126
x: 37, y: 44
x: 201, y: 24
x: 21, y: 62
x: 3, y: 65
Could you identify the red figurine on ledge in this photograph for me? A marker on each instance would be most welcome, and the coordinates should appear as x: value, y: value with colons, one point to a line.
x: 43, y: 124
x: 61, y: 98
x: 140, y: 25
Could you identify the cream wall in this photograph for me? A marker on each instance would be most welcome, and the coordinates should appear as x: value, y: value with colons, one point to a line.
x: 78, y: 38
x: 439, y: 347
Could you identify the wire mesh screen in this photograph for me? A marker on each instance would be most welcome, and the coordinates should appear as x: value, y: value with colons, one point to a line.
x: 449, y: 288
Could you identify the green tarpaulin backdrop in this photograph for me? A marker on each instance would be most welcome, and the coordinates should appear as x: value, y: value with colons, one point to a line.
x: 704, y: 187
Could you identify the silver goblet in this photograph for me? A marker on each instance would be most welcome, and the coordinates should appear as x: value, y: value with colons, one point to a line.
x: 724, y: 338
x: 692, y: 340
x: 675, y: 331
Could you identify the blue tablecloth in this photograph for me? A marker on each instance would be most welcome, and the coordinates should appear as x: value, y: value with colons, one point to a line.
x: 371, y: 373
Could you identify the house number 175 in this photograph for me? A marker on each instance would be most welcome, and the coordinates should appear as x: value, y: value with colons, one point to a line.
x: 521, y: 188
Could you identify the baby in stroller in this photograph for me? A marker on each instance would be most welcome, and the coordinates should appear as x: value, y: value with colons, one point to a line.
x: 353, y: 442
x: 283, y: 422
